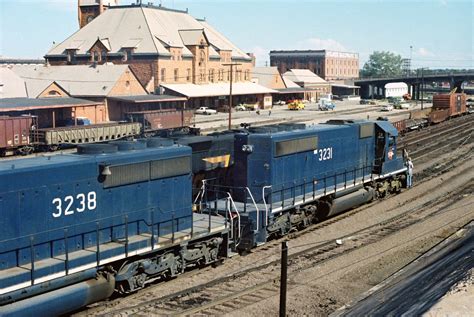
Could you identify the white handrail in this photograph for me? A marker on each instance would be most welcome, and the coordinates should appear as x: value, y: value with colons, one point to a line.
x: 265, y: 203
x: 201, y: 195
x: 237, y: 211
x: 256, y: 207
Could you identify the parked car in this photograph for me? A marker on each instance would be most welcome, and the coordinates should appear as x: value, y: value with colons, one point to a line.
x: 364, y: 102
x: 296, y: 105
x: 336, y: 97
x: 206, y: 110
x: 325, y: 106
x: 387, y: 108
x: 402, y: 105
x: 240, y: 107
x: 279, y: 103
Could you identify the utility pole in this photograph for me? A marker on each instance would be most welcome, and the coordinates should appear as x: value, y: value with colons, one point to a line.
x: 422, y: 87
x: 283, y: 277
x: 230, y: 91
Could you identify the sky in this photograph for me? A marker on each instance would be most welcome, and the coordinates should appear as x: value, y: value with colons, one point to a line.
x: 439, y: 32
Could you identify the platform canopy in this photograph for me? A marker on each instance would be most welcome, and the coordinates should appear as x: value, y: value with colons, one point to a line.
x: 220, y: 89
x: 25, y: 104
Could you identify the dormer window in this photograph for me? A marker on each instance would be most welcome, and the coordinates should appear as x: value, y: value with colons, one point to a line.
x: 103, y: 56
x: 71, y: 56
x: 127, y: 54
x: 95, y: 56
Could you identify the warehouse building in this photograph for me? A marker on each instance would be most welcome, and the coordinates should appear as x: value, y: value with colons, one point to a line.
x: 329, y: 65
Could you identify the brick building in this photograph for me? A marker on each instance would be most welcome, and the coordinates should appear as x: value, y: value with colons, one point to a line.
x: 329, y: 65
x: 94, y: 83
x: 88, y: 10
x: 161, y: 46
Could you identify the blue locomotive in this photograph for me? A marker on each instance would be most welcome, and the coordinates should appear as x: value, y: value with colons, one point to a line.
x: 288, y: 176
x: 77, y: 227
x: 113, y: 217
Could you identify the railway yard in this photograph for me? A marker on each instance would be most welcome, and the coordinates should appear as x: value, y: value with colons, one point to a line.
x: 337, y: 262
x: 150, y: 166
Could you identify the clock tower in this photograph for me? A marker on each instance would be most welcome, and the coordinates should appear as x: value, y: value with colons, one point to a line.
x: 88, y: 10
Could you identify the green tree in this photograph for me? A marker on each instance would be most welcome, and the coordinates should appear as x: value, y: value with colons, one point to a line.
x: 382, y: 64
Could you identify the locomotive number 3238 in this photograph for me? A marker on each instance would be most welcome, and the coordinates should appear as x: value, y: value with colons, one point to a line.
x: 70, y: 204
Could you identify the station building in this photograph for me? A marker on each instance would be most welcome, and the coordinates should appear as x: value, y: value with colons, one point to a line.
x: 329, y: 65
x: 168, y: 50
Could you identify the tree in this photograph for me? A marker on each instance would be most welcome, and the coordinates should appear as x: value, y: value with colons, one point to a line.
x: 382, y: 64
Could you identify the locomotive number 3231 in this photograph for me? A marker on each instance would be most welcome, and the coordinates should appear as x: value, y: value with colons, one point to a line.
x: 324, y: 154
x: 70, y: 204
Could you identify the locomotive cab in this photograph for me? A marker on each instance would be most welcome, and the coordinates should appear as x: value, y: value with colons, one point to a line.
x: 386, y: 158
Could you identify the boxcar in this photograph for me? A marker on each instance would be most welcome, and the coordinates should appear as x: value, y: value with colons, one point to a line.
x: 455, y: 104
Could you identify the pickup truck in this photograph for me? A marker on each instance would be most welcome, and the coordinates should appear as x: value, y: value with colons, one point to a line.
x: 206, y: 110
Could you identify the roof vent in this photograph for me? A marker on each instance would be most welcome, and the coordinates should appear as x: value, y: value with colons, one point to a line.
x: 158, y: 142
x: 130, y: 145
x: 95, y: 149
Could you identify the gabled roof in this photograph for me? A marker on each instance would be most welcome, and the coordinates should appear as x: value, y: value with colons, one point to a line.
x: 11, y: 85
x: 218, y: 89
x: 289, y: 83
x: 76, y: 80
x: 192, y: 37
x: 303, y: 76
x: 157, y: 28
x: 266, y: 77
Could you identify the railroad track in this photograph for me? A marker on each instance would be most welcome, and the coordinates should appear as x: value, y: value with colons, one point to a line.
x: 414, y: 135
x: 267, y: 288
x: 274, y: 244
x: 233, y: 292
x: 303, y: 117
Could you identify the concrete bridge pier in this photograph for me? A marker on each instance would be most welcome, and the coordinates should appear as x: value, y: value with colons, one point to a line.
x: 456, y: 84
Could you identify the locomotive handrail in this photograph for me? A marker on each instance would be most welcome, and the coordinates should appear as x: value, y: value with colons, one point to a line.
x: 256, y: 207
x: 265, y: 202
x: 324, y: 179
x: 238, y: 214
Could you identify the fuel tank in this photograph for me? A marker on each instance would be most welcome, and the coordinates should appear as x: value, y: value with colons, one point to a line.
x: 63, y: 300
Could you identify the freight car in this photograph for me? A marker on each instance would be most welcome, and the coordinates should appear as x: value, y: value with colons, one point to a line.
x: 15, y: 135
x: 153, y: 121
x: 20, y: 135
x: 445, y: 106
x: 115, y: 216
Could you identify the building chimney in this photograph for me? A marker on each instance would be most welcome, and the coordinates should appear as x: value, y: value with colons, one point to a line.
x: 252, y: 56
